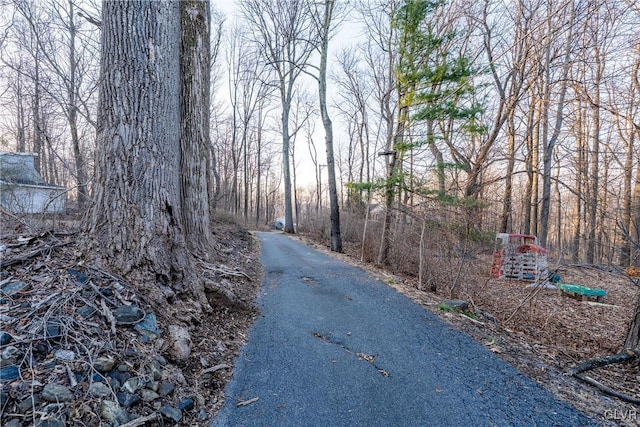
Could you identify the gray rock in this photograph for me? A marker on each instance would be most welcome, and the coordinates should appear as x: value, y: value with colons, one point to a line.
x: 171, y: 413
x: 203, y: 415
x: 148, y: 327
x: 104, y: 363
x: 9, y: 373
x: 456, y: 304
x: 4, y: 398
x: 81, y: 278
x: 99, y: 390
x: 12, y: 288
x: 51, y: 423
x: 127, y: 399
x: 53, y: 392
x: 53, y: 328
x: 149, y: 395
x: 5, y: 338
x: 65, y: 355
x: 131, y: 385
x: 186, y: 404
x: 10, y: 355
x: 86, y: 311
x: 13, y: 422
x: 180, y: 343
x: 156, y: 370
x: 26, y: 405
x: 128, y: 314
x: 113, y: 413
x: 166, y: 388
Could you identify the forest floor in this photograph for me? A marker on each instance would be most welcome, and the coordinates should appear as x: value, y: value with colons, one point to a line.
x: 58, y: 327
x: 541, y: 332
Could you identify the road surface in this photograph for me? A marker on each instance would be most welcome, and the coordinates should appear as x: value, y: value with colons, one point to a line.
x: 335, y: 347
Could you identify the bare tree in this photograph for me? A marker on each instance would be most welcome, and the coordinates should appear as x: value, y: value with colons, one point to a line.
x: 323, y: 16
x: 285, y: 39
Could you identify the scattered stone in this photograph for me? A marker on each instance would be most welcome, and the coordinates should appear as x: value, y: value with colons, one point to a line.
x: 5, y: 338
x: 10, y: 355
x: 81, y: 278
x: 186, y: 404
x: 202, y: 415
x: 131, y: 385
x: 4, y: 398
x: 9, y: 373
x: 128, y: 315
x: 123, y: 367
x: 204, y: 362
x: 148, y: 327
x: 106, y: 292
x: 166, y: 388
x: 12, y: 288
x: 99, y: 390
x: 65, y: 355
x: 113, y: 413
x: 130, y: 352
x: 53, y: 328
x: 104, y: 364
x: 51, y: 423
x: 86, y: 311
x: 180, y: 343
x: 13, y: 422
x: 26, y: 405
x: 161, y: 360
x: 171, y: 413
x: 149, y: 395
x: 456, y: 304
x: 156, y: 370
x: 127, y: 399
x: 53, y: 392
x: 122, y: 377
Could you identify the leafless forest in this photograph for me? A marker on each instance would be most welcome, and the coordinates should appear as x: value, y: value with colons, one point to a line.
x: 539, y: 135
x: 404, y: 132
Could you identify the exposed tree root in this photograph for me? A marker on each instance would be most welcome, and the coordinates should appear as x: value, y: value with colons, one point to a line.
x: 599, y: 362
x: 608, y: 390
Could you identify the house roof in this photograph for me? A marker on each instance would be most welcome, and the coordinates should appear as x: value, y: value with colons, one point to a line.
x: 18, y: 168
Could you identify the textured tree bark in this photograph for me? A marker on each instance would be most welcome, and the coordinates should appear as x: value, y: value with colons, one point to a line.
x: 195, y: 135
x: 633, y: 334
x: 136, y: 219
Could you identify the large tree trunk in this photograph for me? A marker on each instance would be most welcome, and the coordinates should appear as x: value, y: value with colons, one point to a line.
x: 136, y: 220
x: 195, y: 135
x: 633, y: 334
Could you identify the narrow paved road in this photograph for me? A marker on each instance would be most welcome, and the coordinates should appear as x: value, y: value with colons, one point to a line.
x: 335, y: 347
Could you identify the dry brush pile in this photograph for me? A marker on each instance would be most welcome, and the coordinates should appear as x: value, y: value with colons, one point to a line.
x: 79, y: 346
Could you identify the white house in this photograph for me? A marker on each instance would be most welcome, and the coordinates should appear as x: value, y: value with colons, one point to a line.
x: 22, y: 190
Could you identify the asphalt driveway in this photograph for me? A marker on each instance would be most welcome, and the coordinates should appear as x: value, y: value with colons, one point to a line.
x: 336, y: 347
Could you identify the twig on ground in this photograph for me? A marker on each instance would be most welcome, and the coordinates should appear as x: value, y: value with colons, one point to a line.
x: 109, y: 316
x: 141, y: 421
x: 32, y: 254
